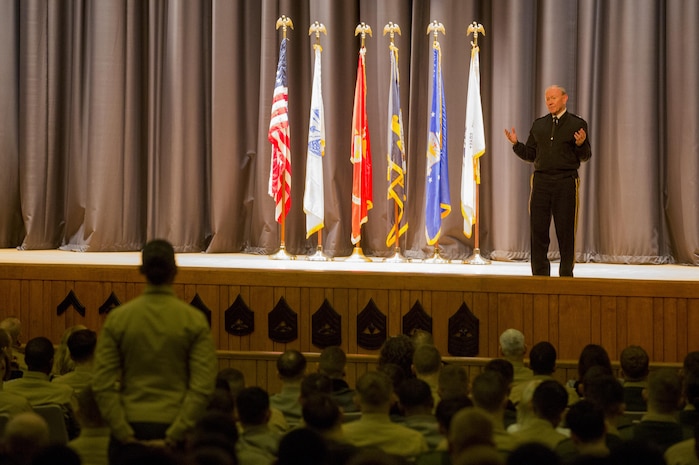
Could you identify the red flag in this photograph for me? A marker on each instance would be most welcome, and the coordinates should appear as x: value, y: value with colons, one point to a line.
x: 280, y: 165
x: 362, y: 199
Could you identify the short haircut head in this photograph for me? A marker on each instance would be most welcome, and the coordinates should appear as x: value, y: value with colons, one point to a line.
x: 415, y: 393
x: 38, y: 354
x: 452, y: 381
x: 634, y: 363
x: 447, y: 408
x: 158, y: 262
x: 606, y: 392
x: 550, y: 399
x: 586, y: 421
x: 231, y: 379
x: 665, y: 390
x: 252, y: 405
x: 421, y: 337
x: 394, y: 372
x: 81, y: 345
x: 502, y: 366
x: 399, y: 350
x: 25, y: 433
x: 321, y: 412
x: 291, y: 365
x: 332, y: 362
x: 215, y: 430
x: 512, y: 343
x: 13, y: 326
x: 470, y: 427
x: 593, y: 355
x: 427, y: 360
x: 374, y: 389
x: 314, y: 383
x: 542, y: 358
x: 489, y: 391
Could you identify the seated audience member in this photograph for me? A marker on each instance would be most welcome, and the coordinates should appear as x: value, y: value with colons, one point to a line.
x: 421, y: 337
x: 374, y: 428
x: 13, y: 327
x: 416, y: 401
x: 315, y: 383
x: 659, y: 425
x: 513, y: 348
x: 470, y: 427
x: 506, y: 370
x: 10, y: 403
x: 25, y: 434
x: 332, y: 363
x: 322, y: 415
x: 398, y: 350
x: 62, y: 361
x: 607, y: 394
x: 587, y: 433
x: 634, y: 370
x: 35, y: 384
x: 452, y: 382
x: 92, y: 443
x: 689, y: 416
x: 445, y: 411
x: 684, y: 452
x: 542, y: 361
x: 549, y: 401
x: 490, y: 394
x: 302, y: 446
x: 232, y: 381
x: 291, y: 367
x: 592, y: 355
x: 81, y: 347
x: 397, y: 375
x: 533, y: 453
x: 213, y: 431
x: 427, y: 365
x: 257, y: 444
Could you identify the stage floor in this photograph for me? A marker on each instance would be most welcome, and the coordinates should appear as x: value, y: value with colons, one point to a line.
x: 264, y: 262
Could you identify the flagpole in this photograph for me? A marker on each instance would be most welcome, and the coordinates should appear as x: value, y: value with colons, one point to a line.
x: 357, y: 255
x: 391, y: 29
x: 319, y: 256
x: 476, y: 258
x: 284, y: 22
x: 434, y: 28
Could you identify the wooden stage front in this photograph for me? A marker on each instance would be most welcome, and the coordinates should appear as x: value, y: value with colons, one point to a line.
x: 655, y: 306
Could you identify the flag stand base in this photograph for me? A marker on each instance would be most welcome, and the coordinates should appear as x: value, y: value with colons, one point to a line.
x: 319, y: 256
x: 397, y: 257
x: 357, y: 256
x: 477, y: 259
x: 282, y: 254
x: 436, y: 258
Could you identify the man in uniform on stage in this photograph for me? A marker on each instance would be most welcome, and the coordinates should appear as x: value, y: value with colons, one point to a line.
x: 556, y: 145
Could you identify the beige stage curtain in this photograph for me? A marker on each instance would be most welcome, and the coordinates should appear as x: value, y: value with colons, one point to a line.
x: 125, y: 120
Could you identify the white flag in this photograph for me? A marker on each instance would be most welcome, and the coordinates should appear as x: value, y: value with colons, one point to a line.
x: 474, y: 145
x: 313, y: 198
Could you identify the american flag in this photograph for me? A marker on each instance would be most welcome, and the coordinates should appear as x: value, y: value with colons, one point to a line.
x: 280, y: 167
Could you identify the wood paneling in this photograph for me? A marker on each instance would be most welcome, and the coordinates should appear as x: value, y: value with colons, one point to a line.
x: 663, y: 317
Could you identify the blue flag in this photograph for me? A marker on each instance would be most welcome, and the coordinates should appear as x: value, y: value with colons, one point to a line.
x: 438, y: 203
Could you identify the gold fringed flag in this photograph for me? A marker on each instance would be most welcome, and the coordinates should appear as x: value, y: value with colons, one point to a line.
x: 280, y: 164
x: 474, y: 145
x: 396, y: 156
x: 362, y: 199
x: 313, y: 198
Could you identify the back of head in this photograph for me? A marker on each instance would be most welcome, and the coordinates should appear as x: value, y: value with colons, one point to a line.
x: 399, y: 350
x: 427, y: 360
x: 593, y: 355
x: 502, y: 366
x: 414, y: 393
x: 550, y: 400
x: 489, y: 391
x: 469, y: 427
x: 664, y: 391
x: 542, y: 358
x: 321, y: 412
x: 158, y: 262
x: 421, y: 337
x: 533, y: 453
x: 447, y: 408
x: 586, y: 421
x: 291, y: 365
x: 394, y: 372
x: 14, y: 329
x: 315, y: 383
x: 606, y: 392
x: 215, y: 429
x: 634, y: 363
x: 302, y: 446
x: 374, y: 389
x: 38, y: 354
x: 332, y: 362
x: 81, y: 345
x: 232, y: 379
x: 512, y: 343
x: 252, y: 405
x: 452, y: 382
x: 25, y: 433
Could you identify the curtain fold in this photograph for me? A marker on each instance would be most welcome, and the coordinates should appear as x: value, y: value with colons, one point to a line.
x: 127, y: 120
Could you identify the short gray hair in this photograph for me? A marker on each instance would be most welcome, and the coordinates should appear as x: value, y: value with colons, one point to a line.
x: 512, y: 342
